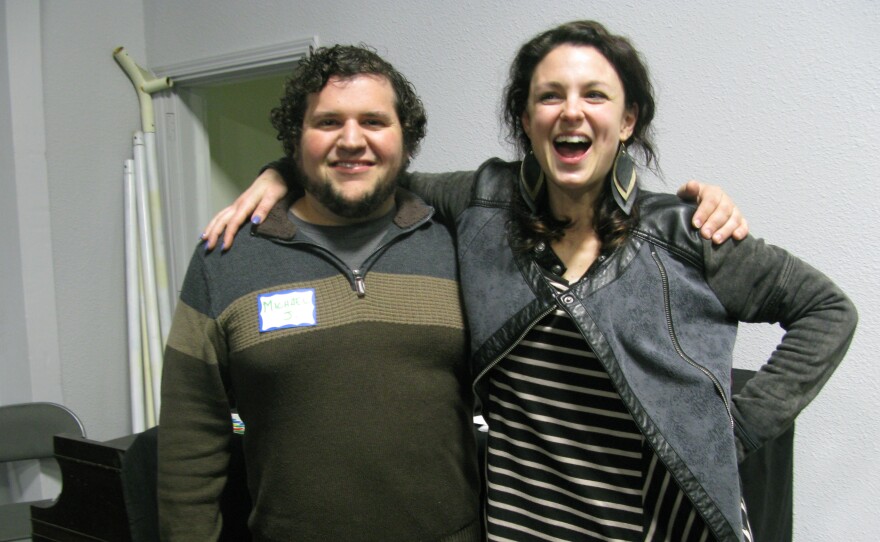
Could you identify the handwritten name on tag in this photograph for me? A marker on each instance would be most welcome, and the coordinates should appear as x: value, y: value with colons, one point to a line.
x: 287, y: 308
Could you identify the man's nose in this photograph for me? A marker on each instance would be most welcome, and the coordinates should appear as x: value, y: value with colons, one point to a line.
x: 352, y: 136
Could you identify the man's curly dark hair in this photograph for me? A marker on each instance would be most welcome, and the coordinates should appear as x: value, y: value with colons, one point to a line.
x: 345, y: 61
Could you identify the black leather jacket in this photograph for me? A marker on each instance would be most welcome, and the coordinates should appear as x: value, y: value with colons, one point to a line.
x: 661, y: 314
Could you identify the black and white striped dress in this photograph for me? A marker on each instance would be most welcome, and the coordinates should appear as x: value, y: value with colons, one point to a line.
x: 565, y: 459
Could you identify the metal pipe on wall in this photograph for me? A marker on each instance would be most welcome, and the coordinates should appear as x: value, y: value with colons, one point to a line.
x: 149, y: 312
x: 132, y: 296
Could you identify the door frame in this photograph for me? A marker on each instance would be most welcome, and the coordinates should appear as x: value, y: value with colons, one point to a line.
x: 182, y: 145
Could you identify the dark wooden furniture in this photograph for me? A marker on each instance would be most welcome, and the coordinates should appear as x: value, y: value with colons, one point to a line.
x: 108, y: 493
x: 91, y: 506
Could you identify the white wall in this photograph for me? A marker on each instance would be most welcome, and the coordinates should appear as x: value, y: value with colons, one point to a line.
x: 14, y: 350
x: 778, y: 102
x: 30, y: 340
x: 91, y: 112
x: 73, y: 114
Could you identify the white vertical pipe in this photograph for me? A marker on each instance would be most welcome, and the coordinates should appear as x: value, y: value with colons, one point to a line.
x: 133, y: 305
x: 154, y: 332
x: 156, y: 288
x: 150, y: 409
x: 160, y: 253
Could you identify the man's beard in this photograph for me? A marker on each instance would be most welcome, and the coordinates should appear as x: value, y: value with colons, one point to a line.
x: 363, y: 207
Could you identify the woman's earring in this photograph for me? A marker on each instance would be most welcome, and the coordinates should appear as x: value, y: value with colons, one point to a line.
x: 531, y: 180
x: 623, y: 180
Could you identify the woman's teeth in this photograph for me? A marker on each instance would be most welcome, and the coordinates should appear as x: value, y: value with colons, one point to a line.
x: 571, y: 145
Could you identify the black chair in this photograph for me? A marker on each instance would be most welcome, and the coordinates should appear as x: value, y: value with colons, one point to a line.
x: 767, y: 481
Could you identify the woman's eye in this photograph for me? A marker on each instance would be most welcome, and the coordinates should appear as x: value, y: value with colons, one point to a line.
x: 595, y: 95
x: 549, y: 97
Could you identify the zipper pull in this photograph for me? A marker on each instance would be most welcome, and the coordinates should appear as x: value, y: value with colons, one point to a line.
x: 359, y: 285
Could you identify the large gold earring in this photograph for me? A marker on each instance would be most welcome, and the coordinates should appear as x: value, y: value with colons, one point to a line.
x: 623, y: 180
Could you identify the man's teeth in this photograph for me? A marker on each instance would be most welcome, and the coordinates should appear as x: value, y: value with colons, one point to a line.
x: 574, y: 139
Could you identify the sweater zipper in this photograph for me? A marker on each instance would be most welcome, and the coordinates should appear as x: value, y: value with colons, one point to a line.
x: 671, y: 328
x: 359, y: 285
x: 359, y: 275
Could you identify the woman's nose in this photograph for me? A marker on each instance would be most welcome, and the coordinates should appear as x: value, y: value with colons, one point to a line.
x: 571, y: 110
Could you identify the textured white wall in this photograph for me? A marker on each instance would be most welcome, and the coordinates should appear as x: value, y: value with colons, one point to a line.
x: 90, y: 113
x: 775, y: 101
x: 12, y: 328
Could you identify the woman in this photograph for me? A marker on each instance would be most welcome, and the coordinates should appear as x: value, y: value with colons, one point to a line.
x: 602, y: 326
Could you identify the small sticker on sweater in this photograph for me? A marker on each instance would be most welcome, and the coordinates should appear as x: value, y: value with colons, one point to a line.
x: 287, y: 308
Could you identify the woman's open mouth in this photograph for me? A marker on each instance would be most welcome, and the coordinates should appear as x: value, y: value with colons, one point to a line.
x: 571, y: 147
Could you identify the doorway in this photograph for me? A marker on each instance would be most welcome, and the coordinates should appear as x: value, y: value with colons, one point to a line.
x: 240, y: 136
x: 213, y: 134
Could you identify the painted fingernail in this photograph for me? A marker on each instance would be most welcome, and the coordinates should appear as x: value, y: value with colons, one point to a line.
x: 203, y: 235
x: 222, y: 246
x: 256, y: 220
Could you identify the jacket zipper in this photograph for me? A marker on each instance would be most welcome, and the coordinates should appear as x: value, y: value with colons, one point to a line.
x: 512, y: 345
x: 489, y: 366
x: 590, y: 272
x: 677, y: 345
x: 555, y: 305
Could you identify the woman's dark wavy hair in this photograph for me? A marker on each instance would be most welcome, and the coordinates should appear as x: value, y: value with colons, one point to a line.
x: 610, y: 222
x: 345, y: 61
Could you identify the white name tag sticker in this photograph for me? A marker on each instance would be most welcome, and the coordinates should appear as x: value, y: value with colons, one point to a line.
x: 287, y: 308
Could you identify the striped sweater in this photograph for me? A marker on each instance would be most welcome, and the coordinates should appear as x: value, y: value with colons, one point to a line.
x: 357, y: 406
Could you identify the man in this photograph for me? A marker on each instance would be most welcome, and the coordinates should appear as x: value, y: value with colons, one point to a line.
x: 335, y: 331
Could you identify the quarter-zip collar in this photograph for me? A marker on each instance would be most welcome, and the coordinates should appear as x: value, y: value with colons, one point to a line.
x: 411, y: 213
